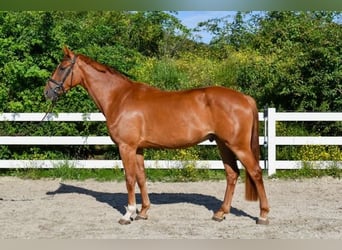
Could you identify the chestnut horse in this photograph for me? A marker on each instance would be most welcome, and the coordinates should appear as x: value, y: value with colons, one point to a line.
x: 139, y: 116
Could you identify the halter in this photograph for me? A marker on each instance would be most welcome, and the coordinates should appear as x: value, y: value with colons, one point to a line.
x: 60, y: 84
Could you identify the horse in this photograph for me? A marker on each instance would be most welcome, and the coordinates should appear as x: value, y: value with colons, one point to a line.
x: 140, y: 116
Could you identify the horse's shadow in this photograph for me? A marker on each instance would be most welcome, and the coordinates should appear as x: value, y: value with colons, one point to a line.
x: 119, y: 200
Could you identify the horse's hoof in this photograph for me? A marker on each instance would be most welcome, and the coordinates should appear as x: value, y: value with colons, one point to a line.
x: 140, y: 217
x: 218, y: 219
x: 124, y: 221
x: 262, y: 221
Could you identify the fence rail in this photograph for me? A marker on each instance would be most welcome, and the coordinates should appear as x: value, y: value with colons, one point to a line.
x: 269, y: 141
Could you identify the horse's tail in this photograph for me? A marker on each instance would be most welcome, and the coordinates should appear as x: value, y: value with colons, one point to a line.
x: 251, y: 193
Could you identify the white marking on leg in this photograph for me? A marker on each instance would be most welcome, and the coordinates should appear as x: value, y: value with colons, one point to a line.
x: 130, y: 211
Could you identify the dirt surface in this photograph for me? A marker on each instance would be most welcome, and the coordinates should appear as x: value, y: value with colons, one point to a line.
x: 43, y: 209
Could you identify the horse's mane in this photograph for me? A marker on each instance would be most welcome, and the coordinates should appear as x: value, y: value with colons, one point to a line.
x: 102, y: 67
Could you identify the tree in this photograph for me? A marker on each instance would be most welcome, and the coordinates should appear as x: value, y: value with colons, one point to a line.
x: 306, y: 52
x: 290, y: 60
x: 233, y: 31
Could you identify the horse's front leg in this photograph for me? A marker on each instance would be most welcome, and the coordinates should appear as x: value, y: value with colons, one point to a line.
x: 128, y: 156
x: 141, y: 178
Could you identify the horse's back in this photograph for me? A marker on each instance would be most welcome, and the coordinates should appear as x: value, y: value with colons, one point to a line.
x: 226, y: 94
x: 203, y: 102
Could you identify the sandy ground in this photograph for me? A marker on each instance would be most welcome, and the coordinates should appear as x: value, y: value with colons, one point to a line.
x: 45, y: 209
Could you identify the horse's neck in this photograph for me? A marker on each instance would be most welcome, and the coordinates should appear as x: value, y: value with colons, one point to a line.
x: 106, y: 89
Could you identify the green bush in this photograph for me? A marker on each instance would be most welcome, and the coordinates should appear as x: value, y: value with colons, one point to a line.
x: 319, y: 153
x: 287, y: 60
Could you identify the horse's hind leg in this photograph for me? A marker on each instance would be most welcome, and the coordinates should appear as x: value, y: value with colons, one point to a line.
x: 245, y: 155
x: 232, y: 173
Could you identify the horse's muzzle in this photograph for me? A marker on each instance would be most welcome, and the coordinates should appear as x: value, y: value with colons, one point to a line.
x: 50, y: 94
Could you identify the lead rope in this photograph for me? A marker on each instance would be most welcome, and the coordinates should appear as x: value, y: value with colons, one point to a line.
x: 52, y: 105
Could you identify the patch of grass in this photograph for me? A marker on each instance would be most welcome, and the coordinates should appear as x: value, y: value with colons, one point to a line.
x: 66, y: 172
x: 184, y: 175
x: 187, y: 173
x: 309, y: 171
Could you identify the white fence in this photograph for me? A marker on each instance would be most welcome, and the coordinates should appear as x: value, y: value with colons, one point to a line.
x: 270, y: 140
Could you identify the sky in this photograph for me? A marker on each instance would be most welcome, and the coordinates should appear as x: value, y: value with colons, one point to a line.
x: 191, y: 18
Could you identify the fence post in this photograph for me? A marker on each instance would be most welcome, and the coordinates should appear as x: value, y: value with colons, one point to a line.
x: 265, y: 155
x: 271, y: 141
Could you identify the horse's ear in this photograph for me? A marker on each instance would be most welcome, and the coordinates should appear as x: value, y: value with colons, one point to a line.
x: 67, y: 51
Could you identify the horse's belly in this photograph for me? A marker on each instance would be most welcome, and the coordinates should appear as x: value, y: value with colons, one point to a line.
x: 176, y: 133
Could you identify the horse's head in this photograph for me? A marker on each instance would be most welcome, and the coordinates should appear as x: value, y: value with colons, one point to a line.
x: 63, y: 78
